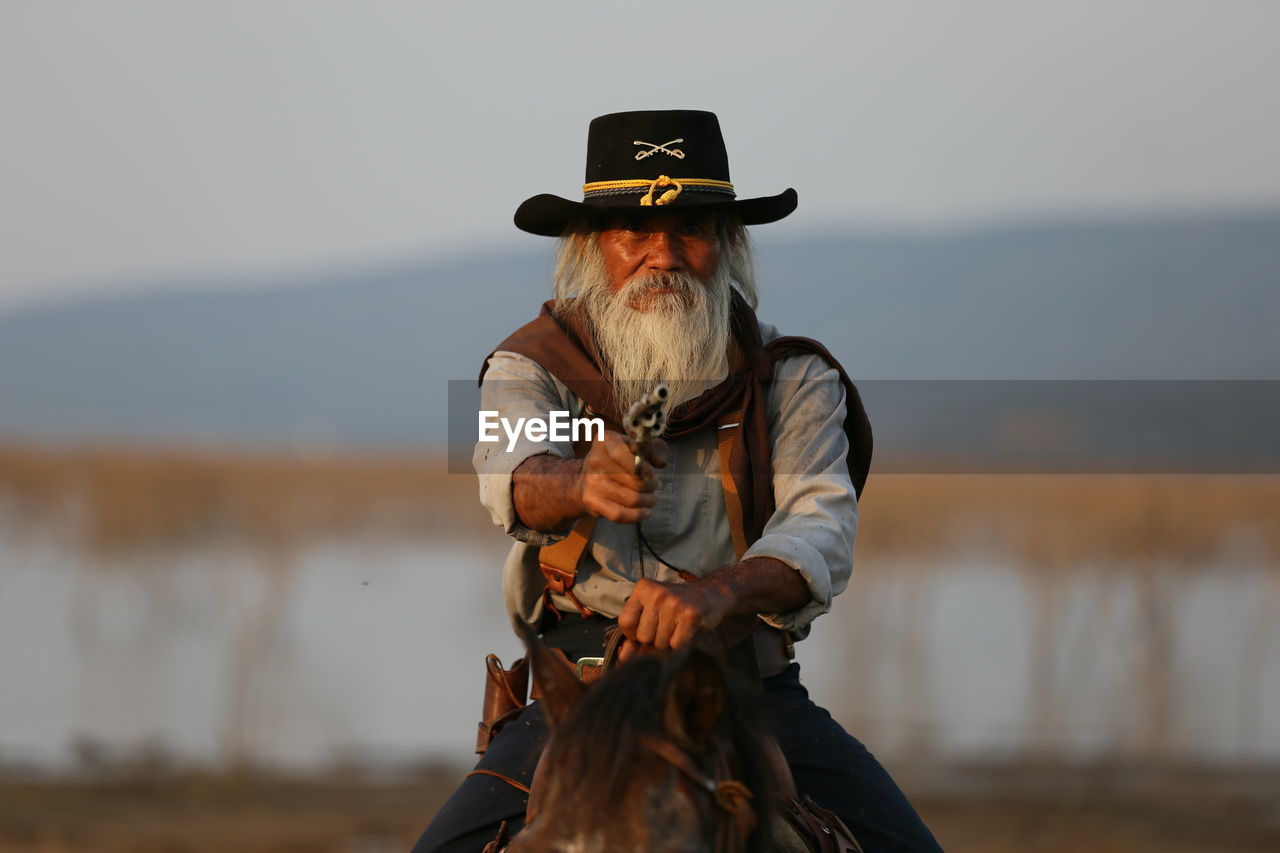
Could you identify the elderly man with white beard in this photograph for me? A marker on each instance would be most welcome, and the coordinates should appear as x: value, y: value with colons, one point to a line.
x: 738, y: 526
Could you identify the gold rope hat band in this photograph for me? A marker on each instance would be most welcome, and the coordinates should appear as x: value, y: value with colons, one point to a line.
x: 647, y: 200
x: 667, y: 197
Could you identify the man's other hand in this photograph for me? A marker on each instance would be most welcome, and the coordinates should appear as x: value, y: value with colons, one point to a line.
x: 609, y: 486
x: 667, y: 615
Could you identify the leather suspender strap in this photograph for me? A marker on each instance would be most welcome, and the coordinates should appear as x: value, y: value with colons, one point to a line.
x: 559, y: 563
x: 732, y: 632
x: 770, y: 650
x: 729, y: 426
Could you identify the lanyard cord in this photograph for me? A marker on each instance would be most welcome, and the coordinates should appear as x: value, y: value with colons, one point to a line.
x: 644, y: 543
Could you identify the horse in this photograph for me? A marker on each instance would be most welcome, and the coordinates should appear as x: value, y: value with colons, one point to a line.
x: 667, y: 753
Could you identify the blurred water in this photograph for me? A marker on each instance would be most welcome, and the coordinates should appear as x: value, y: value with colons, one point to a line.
x: 371, y: 651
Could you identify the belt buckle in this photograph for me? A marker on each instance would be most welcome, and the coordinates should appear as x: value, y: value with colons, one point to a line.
x: 587, y: 662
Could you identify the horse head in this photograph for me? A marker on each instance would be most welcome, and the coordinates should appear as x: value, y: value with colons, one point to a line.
x: 665, y: 754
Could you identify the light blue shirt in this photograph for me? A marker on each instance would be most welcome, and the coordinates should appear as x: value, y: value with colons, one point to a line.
x: 812, y: 530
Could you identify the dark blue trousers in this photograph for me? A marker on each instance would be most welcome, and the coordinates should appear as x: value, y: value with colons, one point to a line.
x: 827, y: 762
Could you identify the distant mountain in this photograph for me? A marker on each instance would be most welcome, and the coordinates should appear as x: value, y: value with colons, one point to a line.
x: 364, y: 357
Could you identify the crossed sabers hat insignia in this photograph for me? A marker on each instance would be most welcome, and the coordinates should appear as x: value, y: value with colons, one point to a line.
x: 674, y: 152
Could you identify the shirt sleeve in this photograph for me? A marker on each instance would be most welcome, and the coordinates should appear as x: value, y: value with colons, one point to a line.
x: 816, y: 519
x: 516, y: 387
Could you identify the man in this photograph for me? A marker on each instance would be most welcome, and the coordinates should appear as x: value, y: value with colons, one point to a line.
x: 739, y: 526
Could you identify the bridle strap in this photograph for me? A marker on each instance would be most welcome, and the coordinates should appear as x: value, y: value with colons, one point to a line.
x: 729, y: 795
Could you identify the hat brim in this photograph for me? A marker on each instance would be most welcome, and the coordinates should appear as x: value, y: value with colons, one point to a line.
x: 548, y: 215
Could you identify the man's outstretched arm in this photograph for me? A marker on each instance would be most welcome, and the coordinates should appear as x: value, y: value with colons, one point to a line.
x: 550, y: 492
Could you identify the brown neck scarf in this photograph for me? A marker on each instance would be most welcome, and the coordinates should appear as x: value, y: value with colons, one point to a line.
x: 565, y: 348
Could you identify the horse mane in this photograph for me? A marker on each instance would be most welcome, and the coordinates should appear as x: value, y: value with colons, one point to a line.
x: 599, y: 743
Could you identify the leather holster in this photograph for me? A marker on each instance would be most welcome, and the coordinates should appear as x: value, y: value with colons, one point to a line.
x: 504, y: 698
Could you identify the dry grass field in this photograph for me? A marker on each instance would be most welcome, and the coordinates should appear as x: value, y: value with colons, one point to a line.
x: 125, y: 498
x: 116, y: 500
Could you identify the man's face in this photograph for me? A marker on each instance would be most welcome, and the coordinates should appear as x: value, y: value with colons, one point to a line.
x: 660, y: 243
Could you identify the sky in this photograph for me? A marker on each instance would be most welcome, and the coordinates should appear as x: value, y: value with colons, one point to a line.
x: 151, y: 142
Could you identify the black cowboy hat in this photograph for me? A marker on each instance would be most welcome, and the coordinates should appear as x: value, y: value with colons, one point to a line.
x: 664, y: 160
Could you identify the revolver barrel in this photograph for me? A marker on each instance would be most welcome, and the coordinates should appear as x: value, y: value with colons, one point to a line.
x: 646, y: 419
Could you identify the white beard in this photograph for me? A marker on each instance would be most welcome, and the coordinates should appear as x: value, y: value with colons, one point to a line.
x: 681, y: 339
